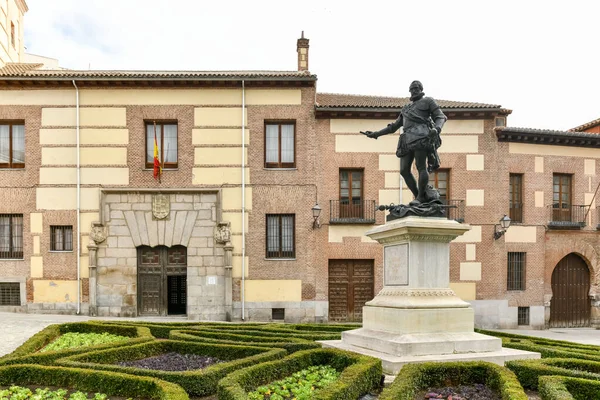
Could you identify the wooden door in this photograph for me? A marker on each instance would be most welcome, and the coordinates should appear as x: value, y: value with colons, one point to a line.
x: 351, y: 193
x: 162, y: 273
x: 570, y: 306
x: 351, y: 285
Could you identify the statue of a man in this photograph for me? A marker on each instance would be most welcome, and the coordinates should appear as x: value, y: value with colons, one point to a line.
x: 423, y: 121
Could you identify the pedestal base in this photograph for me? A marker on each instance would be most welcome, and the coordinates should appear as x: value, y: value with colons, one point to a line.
x: 392, y: 364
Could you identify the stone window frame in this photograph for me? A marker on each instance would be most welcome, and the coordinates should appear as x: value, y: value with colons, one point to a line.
x: 22, y: 281
x: 279, y: 164
x: 160, y: 137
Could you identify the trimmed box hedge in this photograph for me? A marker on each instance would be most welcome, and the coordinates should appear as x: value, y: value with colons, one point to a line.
x: 529, y: 371
x: 201, y: 382
x: 276, y: 333
x: 292, y: 345
x: 568, y: 388
x: 414, y: 378
x: 109, y: 383
x: 27, y: 353
x: 162, y: 330
x: 359, y: 374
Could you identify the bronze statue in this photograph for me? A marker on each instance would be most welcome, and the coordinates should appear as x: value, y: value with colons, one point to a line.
x: 422, y: 121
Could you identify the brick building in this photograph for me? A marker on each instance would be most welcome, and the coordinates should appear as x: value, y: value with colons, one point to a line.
x: 228, y: 229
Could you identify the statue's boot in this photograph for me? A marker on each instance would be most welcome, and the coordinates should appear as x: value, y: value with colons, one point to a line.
x: 415, y: 202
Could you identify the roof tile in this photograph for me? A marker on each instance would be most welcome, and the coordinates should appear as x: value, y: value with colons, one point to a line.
x: 585, y: 126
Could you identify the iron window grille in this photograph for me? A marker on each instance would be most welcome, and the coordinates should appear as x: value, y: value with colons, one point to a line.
x: 516, y: 271
x: 166, y: 139
x: 12, y: 144
x: 61, y: 238
x: 11, y: 236
x: 10, y: 294
x: 278, y: 314
x: 280, y: 144
x: 281, y: 236
x: 523, y: 316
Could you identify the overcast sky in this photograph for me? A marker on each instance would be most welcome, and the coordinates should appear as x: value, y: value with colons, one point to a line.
x: 537, y: 58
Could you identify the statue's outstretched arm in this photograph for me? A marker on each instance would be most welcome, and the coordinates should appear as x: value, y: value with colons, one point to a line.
x: 390, y: 128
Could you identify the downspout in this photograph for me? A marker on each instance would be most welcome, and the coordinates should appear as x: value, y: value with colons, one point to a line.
x: 78, y: 200
x: 243, y: 201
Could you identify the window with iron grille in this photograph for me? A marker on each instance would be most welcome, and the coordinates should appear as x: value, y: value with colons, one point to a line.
x: 11, y: 236
x: 280, y: 236
x: 61, y: 238
x: 516, y: 271
x: 523, y: 316
x: 278, y: 313
x: 280, y: 144
x: 10, y: 294
x: 12, y: 144
x: 516, y: 197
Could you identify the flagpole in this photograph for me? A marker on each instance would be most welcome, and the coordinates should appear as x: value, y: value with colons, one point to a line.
x: 157, y: 145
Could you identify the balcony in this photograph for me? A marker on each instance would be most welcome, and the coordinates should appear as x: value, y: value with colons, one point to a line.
x: 516, y: 212
x: 455, y: 210
x: 567, y: 217
x: 356, y: 212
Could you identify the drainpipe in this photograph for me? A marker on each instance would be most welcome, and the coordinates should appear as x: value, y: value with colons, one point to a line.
x: 78, y: 200
x: 243, y: 201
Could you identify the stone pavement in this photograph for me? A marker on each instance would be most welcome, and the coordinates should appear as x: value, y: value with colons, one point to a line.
x: 16, y: 328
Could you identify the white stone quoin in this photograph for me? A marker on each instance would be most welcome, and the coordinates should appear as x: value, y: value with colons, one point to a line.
x: 416, y: 317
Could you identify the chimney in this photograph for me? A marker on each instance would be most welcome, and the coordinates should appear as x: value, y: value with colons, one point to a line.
x: 302, y: 49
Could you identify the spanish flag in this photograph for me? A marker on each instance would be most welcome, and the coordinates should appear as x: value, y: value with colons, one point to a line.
x: 157, y: 169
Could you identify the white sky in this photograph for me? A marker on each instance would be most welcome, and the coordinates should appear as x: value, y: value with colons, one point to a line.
x: 539, y: 58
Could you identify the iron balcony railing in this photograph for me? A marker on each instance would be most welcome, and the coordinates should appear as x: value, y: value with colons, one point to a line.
x: 352, y: 212
x: 455, y: 210
x: 563, y: 216
x: 516, y: 212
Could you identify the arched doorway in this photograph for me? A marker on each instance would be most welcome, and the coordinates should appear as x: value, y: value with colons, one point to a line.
x: 570, y: 306
x: 162, y: 280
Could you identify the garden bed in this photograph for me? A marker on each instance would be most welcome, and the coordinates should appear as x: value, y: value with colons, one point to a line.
x: 359, y: 374
x: 197, y: 382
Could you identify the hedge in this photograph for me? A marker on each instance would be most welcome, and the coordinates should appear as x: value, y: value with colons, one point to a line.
x: 290, y: 344
x: 202, y: 382
x: 109, y: 383
x: 416, y: 377
x: 543, y: 341
x: 529, y: 371
x: 162, y: 330
x: 568, y: 388
x: 359, y: 374
x: 27, y: 352
x: 254, y: 331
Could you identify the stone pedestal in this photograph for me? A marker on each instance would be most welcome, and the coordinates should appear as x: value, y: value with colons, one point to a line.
x: 416, y: 316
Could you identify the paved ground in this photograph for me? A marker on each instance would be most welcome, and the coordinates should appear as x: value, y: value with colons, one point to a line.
x: 15, y: 329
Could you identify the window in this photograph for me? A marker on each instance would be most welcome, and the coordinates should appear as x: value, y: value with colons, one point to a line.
x: 561, y: 197
x: 351, y: 193
x: 61, y: 238
x: 516, y: 197
x: 440, y: 180
x: 11, y: 236
x: 280, y: 236
x: 12, y: 34
x: 278, y: 314
x: 166, y: 138
x: 280, y: 143
x: 10, y: 294
x: 516, y: 271
x: 12, y: 145
x: 500, y: 121
x: 523, y: 316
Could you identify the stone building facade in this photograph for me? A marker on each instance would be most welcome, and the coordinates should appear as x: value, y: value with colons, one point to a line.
x: 227, y: 233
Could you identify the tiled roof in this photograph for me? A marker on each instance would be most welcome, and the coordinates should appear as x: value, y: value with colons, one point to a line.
x: 334, y: 100
x: 585, y: 126
x: 517, y: 130
x: 30, y: 71
x: 547, y: 136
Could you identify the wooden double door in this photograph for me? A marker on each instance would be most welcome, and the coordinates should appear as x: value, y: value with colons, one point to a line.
x: 162, y: 280
x: 570, y: 306
x: 351, y: 285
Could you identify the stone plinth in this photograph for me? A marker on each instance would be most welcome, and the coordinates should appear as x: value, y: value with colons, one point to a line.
x: 416, y: 316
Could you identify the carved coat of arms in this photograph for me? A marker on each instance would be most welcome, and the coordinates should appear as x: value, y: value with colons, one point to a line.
x: 98, y: 232
x: 161, y: 206
x: 223, y: 232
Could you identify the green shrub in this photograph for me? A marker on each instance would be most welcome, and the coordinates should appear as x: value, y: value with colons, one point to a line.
x: 529, y: 371
x: 28, y: 353
x: 359, y: 374
x: 290, y: 344
x: 416, y: 377
x: 110, y: 383
x: 71, y: 340
x: 198, y: 382
x: 273, y: 332
x: 568, y: 388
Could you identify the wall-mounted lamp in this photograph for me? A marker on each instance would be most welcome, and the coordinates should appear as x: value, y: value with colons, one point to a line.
x: 316, y: 210
x: 504, y: 224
